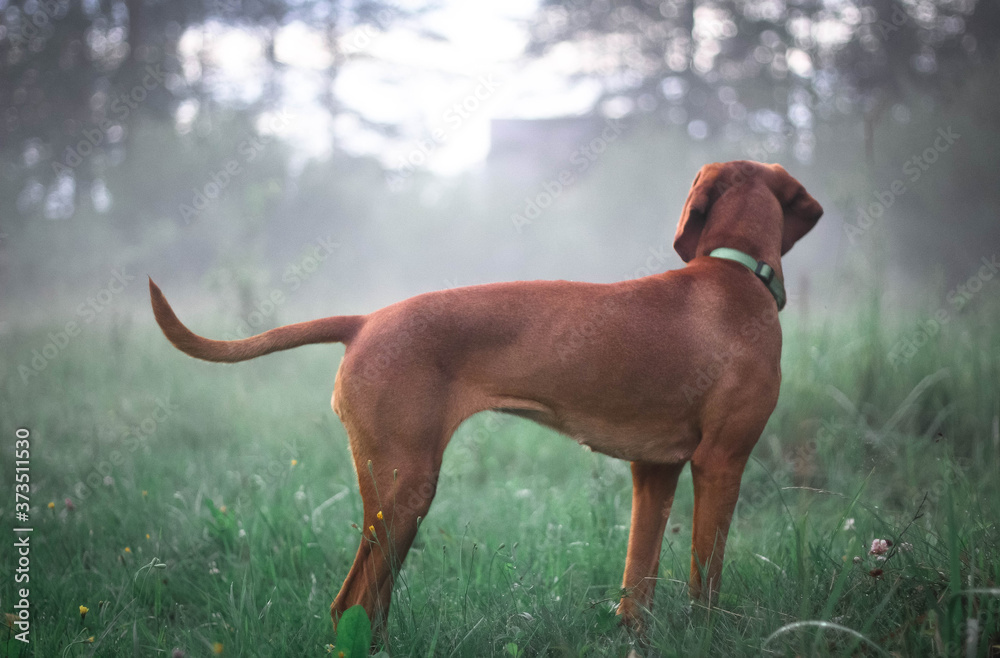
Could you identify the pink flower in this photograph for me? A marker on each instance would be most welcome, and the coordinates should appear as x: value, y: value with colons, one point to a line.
x: 69, y: 505
x: 879, y: 547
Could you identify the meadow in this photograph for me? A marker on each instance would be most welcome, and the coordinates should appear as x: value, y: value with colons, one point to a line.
x: 210, y: 509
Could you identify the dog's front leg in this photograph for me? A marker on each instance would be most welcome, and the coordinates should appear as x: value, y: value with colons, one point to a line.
x: 717, y: 476
x: 653, y: 488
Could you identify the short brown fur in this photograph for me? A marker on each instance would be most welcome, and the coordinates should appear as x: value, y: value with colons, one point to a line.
x: 671, y: 368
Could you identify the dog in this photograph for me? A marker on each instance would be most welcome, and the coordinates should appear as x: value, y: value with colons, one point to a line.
x: 677, y: 367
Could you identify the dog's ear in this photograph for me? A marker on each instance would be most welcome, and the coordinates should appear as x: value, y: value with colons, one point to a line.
x: 801, y: 210
x: 695, y: 213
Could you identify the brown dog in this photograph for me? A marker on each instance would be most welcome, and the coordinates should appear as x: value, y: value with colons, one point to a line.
x: 670, y: 368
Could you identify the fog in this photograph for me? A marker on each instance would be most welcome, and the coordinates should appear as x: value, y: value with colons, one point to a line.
x: 306, y: 160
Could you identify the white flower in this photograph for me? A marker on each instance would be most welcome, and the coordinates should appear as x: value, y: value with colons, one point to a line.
x: 879, y: 546
x: 849, y: 524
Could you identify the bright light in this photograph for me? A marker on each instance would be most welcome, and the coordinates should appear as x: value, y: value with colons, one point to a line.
x: 439, y: 93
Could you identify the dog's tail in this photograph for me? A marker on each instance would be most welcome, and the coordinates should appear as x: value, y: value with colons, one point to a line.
x: 337, y: 329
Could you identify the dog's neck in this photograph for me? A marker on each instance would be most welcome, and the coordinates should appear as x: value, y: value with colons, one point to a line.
x: 750, y: 221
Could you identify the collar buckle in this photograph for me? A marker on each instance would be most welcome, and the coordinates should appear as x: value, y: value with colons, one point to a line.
x: 761, y: 270
x: 765, y: 272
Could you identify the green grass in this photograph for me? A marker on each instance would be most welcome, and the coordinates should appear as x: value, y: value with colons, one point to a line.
x: 523, y: 550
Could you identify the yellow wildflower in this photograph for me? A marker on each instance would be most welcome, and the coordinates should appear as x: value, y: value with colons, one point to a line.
x: 128, y: 550
x: 372, y: 528
x: 90, y: 639
x: 217, y: 648
x: 379, y: 515
x: 295, y: 462
x: 83, y: 611
x: 52, y: 505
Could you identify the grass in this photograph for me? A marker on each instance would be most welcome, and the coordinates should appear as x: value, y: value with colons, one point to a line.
x: 192, y: 525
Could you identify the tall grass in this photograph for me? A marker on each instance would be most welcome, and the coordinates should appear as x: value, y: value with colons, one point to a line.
x: 228, y: 518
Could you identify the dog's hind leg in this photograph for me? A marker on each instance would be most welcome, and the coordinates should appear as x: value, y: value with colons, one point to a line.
x: 653, y: 488
x: 397, y: 487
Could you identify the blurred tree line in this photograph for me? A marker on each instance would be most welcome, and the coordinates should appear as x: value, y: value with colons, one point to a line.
x: 77, y: 76
x: 824, y: 82
x: 773, y: 68
x: 74, y: 73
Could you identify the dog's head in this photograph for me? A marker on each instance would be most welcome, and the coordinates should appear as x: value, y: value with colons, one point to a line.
x: 799, y: 210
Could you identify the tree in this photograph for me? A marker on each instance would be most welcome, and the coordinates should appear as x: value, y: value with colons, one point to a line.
x: 76, y: 76
x: 766, y: 71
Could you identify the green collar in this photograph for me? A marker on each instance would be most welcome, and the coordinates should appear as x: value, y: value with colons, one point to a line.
x: 763, y: 271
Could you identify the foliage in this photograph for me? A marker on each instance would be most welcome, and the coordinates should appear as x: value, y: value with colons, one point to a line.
x: 523, y: 550
x: 354, y: 633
